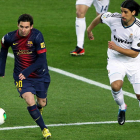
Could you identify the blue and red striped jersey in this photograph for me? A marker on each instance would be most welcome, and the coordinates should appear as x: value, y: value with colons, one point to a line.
x: 29, y: 53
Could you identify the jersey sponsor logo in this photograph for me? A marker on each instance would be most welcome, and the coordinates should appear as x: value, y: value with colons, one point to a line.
x: 42, y: 45
x: 121, y: 40
x: 138, y: 44
x: 24, y: 52
x: 30, y: 43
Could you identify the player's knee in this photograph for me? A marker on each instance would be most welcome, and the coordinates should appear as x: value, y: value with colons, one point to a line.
x: 30, y: 102
x: 80, y: 14
x: 43, y: 102
x: 29, y: 98
x: 138, y: 96
x: 116, y: 86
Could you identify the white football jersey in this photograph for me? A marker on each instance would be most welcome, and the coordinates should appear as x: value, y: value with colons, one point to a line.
x: 125, y: 37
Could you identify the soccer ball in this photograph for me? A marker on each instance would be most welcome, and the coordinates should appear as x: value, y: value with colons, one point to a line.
x: 2, y: 116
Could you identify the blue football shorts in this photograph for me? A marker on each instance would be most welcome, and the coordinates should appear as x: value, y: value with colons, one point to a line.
x: 38, y: 88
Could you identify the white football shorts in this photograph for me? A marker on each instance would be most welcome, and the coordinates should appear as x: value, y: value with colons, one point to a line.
x: 118, y: 70
x: 101, y: 6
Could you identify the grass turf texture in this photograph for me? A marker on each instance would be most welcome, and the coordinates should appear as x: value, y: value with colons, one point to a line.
x: 69, y: 100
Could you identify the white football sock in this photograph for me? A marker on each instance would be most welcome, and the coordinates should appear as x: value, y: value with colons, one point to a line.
x: 80, y: 31
x: 119, y: 98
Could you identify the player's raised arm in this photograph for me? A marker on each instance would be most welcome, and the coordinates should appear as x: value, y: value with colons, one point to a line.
x: 93, y: 24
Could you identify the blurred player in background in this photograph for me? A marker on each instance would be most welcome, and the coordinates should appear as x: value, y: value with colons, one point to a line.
x: 31, y: 70
x: 82, y: 6
x: 123, y: 50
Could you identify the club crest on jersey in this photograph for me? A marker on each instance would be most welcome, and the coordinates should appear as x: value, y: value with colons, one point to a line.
x: 42, y: 45
x: 30, y: 43
x: 131, y: 36
x: 138, y: 44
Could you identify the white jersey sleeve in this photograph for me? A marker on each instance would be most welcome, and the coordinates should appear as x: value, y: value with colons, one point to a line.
x: 108, y: 18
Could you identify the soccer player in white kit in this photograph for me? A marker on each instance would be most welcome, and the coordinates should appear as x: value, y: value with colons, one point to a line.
x: 123, y: 51
x: 82, y: 6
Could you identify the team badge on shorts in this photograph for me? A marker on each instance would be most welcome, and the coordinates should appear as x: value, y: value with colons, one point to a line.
x: 19, y: 89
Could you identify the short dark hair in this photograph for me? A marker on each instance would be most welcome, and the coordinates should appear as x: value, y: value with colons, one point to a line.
x: 132, y: 6
x: 25, y: 18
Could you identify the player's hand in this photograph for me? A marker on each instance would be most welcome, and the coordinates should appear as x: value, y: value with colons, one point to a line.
x: 90, y: 35
x: 112, y: 45
x: 21, y: 76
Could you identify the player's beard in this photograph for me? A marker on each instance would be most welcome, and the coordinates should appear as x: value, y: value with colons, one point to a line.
x: 128, y: 22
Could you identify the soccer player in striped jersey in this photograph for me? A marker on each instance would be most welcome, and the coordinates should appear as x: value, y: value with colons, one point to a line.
x: 30, y: 70
x: 123, y: 51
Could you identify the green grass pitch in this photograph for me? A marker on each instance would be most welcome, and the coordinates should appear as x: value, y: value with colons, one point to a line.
x: 69, y: 100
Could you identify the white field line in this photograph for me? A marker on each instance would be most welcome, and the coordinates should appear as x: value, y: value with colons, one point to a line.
x: 82, y: 79
x: 67, y: 124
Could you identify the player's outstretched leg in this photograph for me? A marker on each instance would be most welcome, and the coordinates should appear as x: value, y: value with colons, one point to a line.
x: 35, y: 114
